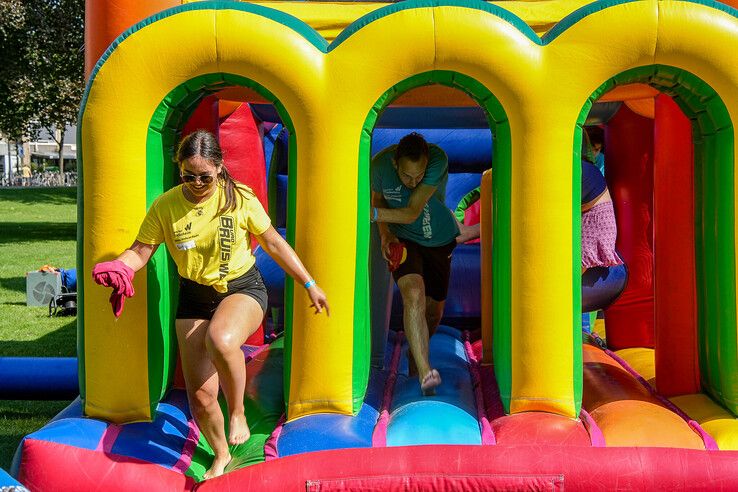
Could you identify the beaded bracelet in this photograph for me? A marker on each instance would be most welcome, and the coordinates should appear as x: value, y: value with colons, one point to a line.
x: 309, y: 283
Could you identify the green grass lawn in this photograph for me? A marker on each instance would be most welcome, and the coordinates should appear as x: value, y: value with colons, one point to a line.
x: 37, y: 227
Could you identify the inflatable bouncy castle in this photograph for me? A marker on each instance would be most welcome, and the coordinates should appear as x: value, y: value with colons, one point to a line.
x: 301, y: 95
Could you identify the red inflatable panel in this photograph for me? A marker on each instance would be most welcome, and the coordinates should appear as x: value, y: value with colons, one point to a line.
x: 105, y: 20
x: 472, y: 216
x: 435, y: 481
x: 540, y: 428
x: 243, y: 150
x: 629, y: 173
x: 489, y: 467
x: 48, y: 466
x: 204, y: 117
x: 677, y: 364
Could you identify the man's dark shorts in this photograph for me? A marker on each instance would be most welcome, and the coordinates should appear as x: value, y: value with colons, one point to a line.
x: 198, y: 301
x: 431, y: 263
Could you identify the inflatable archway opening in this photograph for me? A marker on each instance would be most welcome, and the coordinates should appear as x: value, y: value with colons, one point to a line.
x: 693, y: 251
x: 443, y: 107
x: 499, y: 126
x: 163, y: 135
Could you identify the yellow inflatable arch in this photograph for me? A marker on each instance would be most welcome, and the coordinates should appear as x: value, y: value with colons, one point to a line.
x: 535, y: 91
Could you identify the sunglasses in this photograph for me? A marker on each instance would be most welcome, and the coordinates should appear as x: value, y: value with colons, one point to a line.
x: 203, y: 178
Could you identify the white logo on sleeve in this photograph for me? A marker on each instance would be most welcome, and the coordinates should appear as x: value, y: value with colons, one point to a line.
x: 394, y: 194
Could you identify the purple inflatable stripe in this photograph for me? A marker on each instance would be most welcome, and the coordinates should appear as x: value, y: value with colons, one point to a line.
x: 108, y: 438
x: 596, y: 437
x: 488, y: 435
x: 271, y: 451
x: 250, y: 352
x: 379, y: 436
x: 184, y: 462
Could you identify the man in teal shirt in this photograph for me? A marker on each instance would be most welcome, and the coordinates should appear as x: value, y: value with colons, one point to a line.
x: 408, y: 204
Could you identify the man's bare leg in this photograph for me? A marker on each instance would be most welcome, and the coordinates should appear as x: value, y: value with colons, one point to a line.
x: 433, y: 315
x: 412, y: 290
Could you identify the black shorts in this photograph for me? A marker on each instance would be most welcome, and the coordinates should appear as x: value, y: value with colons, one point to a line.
x: 197, y: 301
x: 431, y: 263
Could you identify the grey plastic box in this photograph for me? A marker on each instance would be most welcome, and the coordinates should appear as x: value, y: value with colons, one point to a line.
x: 41, y: 287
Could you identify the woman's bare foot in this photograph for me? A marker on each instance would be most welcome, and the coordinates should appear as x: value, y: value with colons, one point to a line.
x: 429, y: 382
x: 238, y: 430
x: 218, y: 467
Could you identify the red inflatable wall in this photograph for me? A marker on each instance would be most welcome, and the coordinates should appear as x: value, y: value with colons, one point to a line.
x: 677, y: 364
x: 521, y: 467
x: 243, y: 150
x: 629, y: 173
x: 204, y: 117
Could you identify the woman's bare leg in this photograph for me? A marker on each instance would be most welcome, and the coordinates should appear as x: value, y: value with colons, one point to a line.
x: 202, y: 389
x: 237, y: 317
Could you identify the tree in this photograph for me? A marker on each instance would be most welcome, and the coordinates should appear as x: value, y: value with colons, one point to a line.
x: 42, y: 55
x: 16, y: 108
x: 55, y: 57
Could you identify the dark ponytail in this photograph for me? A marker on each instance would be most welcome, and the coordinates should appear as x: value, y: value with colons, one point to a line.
x: 203, y: 144
x: 230, y: 188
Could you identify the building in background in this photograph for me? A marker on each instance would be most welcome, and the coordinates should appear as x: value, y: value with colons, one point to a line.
x: 42, y: 155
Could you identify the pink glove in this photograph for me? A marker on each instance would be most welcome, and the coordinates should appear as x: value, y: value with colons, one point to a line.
x: 119, y: 276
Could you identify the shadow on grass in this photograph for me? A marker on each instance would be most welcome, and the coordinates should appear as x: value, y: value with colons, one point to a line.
x: 17, y: 284
x: 56, y: 343
x: 14, y: 232
x: 36, y: 196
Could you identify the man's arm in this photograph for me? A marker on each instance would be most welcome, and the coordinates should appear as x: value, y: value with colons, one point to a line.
x: 385, y: 235
x: 407, y: 215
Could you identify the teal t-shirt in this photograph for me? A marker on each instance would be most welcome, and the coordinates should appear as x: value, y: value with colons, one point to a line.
x: 436, y: 225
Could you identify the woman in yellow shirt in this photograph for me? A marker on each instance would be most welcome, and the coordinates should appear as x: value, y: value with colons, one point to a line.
x: 205, y: 223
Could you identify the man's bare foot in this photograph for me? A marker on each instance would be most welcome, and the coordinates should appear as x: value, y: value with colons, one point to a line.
x: 238, y: 430
x: 218, y: 467
x: 429, y: 382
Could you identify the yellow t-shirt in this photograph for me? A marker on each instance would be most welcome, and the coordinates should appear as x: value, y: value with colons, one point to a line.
x: 208, y: 247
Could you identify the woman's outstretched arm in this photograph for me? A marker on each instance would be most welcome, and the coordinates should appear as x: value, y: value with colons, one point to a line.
x: 276, y: 247
x: 137, y: 255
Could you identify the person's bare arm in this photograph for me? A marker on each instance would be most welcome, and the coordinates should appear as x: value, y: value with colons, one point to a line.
x: 137, y: 255
x: 467, y: 233
x: 280, y: 250
x: 385, y: 235
x: 407, y: 215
